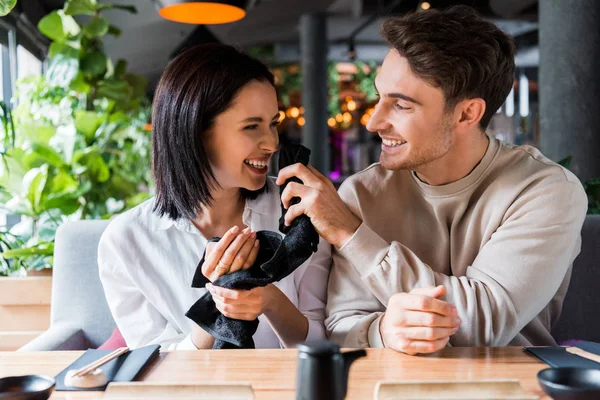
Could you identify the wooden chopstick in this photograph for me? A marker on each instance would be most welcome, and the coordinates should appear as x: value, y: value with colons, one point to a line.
x: 101, y: 361
x: 582, y: 353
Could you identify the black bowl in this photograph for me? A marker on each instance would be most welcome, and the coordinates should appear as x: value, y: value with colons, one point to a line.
x: 27, y: 387
x: 570, y: 383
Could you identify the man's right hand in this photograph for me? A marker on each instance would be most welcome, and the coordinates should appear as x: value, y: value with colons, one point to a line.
x: 418, y: 321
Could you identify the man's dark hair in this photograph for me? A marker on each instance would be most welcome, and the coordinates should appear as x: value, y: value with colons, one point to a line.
x: 457, y: 51
x: 197, y: 86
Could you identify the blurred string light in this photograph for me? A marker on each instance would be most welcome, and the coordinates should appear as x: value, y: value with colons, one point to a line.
x: 301, y: 121
x: 331, y: 122
x: 281, y: 115
x: 425, y: 5
x: 523, y: 96
x: 509, y: 104
x: 339, y: 118
x: 293, y: 112
x: 367, y: 115
x: 347, y: 117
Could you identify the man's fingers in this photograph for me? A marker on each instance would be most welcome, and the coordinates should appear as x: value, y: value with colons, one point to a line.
x: 423, y: 346
x: 299, y: 171
x: 427, y: 319
x: 240, y: 259
x: 293, y: 212
x: 293, y: 189
x: 431, y: 291
x: 427, y: 333
x: 417, y: 302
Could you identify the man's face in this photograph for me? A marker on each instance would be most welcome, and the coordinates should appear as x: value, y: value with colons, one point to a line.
x: 410, y: 117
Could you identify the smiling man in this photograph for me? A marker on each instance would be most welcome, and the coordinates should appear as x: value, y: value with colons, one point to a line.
x: 453, y: 237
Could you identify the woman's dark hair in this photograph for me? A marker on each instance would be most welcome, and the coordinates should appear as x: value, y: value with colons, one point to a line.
x: 457, y: 51
x: 197, y: 86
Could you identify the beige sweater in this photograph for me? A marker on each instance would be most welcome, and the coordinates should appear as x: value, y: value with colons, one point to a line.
x: 502, y: 240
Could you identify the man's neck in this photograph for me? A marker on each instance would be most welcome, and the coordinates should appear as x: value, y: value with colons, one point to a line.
x: 462, y: 158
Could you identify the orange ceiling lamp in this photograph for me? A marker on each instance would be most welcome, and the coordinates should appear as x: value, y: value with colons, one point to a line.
x: 202, y: 12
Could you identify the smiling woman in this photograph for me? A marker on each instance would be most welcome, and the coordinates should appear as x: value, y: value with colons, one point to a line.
x: 214, y: 131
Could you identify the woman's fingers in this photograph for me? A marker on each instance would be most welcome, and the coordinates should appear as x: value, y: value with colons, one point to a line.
x: 226, y: 261
x: 253, y: 254
x: 241, y: 258
x: 215, y: 251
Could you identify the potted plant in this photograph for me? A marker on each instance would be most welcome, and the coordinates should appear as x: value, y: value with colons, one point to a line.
x: 75, y: 146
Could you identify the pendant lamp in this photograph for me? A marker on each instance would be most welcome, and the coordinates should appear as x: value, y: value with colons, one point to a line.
x: 202, y: 12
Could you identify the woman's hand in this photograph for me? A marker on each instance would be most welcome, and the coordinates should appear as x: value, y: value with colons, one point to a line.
x: 235, y: 251
x: 245, y: 305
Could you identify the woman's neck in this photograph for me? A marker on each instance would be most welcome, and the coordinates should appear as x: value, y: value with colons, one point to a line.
x: 225, y: 211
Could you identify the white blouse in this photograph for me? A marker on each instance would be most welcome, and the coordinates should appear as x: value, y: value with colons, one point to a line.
x: 147, y: 264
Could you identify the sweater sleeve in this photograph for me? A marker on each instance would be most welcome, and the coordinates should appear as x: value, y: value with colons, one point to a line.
x: 514, y: 276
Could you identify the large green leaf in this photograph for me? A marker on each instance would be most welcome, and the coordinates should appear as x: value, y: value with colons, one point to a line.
x: 97, y: 27
x: 91, y: 162
x: 88, y: 122
x: 36, y: 131
x: 62, y: 183
x: 67, y: 202
x: 58, y: 26
x: 6, y: 6
x: 120, y: 68
x: 12, y: 171
x: 64, y: 65
x: 34, y: 183
x: 81, y: 7
x: 79, y: 84
x: 113, y: 30
x: 46, y: 249
x: 138, y: 83
x: 116, y: 90
x: 48, y: 154
x: 93, y: 64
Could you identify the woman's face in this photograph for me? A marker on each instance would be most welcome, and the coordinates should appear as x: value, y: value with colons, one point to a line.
x: 244, y: 138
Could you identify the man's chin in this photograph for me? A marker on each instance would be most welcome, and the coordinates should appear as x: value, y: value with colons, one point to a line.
x: 393, y: 164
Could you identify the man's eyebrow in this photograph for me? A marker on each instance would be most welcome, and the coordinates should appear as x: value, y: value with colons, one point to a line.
x: 403, y: 97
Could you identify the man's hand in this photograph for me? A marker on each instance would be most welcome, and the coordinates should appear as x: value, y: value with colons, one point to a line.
x: 320, y: 202
x: 418, y: 322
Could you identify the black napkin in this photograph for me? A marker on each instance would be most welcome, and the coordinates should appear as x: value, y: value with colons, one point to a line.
x: 125, y: 368
x: 277, y: 258
x: 557, y: 356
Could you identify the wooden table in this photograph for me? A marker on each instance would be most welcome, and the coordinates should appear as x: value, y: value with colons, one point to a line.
x: 273, y: 372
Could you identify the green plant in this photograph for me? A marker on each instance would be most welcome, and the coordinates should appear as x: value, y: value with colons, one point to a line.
x: 6, y: 6
x: 75, y: 145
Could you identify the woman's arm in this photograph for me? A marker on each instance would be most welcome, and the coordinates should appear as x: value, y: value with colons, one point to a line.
x: 288, y: 323
x: 138, y: 320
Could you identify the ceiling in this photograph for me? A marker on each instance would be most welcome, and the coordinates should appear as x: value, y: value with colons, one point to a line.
x: 148, y: 41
